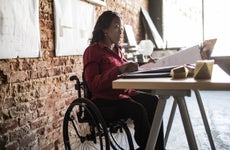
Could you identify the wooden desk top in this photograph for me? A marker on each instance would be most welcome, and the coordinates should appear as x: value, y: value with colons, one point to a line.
x: 219, y: 81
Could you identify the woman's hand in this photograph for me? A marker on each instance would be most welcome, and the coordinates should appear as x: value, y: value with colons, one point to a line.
x: 128, y: 67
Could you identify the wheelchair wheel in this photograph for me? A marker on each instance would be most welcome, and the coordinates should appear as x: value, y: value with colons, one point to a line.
x: 120, y: 136
x: 84, y: 128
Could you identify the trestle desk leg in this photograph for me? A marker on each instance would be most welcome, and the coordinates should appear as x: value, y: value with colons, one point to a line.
x: 171, y: 117
x: 205, y: 120
x: 186, y: 122
x: 158, y: 117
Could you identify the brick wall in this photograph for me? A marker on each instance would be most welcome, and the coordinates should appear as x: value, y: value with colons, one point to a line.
x: 37, y: 91
x: 130, y: 13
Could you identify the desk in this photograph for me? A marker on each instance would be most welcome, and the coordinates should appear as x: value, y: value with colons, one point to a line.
x: 165, y: 87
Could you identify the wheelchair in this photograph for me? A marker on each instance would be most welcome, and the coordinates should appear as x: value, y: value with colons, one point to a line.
x: 84, y: 127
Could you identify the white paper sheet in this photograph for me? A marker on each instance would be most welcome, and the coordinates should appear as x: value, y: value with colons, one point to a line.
x: 186, y: 56
x: 19, y: 28
x: 74, y: 21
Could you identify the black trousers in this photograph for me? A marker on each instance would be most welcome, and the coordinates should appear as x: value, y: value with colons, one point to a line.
x: 141, y: 109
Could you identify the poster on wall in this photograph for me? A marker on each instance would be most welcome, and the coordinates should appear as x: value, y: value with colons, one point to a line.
x: 74, y: 21
x: 19, y: 29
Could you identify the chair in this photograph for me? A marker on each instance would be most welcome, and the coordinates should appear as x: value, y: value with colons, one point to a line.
x: 85, y: 128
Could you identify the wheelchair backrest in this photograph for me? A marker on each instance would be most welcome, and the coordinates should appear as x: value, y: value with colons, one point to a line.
x: 81, y: 85
x: 87, y: 93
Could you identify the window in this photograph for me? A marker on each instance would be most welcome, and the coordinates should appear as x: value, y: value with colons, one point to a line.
x: 189, y: 22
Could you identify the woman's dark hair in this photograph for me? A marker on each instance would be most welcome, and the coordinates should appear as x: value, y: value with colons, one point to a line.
x: 103, y: 22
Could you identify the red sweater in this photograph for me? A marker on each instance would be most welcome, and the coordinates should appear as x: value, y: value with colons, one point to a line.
x: 100, y: 69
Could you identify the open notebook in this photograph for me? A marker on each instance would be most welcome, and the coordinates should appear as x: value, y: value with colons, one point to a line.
x: 149, y: 73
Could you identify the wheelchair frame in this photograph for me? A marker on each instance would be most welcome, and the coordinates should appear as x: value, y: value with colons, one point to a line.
x: 85, y: 128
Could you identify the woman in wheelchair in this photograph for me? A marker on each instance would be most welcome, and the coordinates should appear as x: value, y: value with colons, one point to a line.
x: 103, y: 62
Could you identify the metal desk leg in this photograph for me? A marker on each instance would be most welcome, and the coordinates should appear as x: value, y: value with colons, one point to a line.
x: 171, y: 117
x: 156, y: 124
x: 205, y: 120
x: 186, y: 122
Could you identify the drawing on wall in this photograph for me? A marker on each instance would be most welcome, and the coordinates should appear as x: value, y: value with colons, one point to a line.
x: 74, y: 21
x: 19, y: 29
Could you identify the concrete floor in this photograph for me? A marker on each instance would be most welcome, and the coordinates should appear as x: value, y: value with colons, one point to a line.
x: 217, y: 108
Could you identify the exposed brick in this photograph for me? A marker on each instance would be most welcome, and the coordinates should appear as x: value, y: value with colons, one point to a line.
x: 41, y: 112
x: 33, y: 74
x: 3, y: 140
x: 26, y: 65
x: 70, y: 100
x: 68, y: 69
x: 49, y: 129
x: 58, y: 62
x: 39, y: 122
x: 12, y: 146
x: 48, y: 147
x: 18, y: 76
x: 60, y: 105
x: 19, y: 132
x: 27, y: 140
x: 70, y: 61
x: 24, y: 119
x: 5, y: 67
x: 9, y: 102
x: 43, y: 64
x: 41, y: 131
x: 8, y: 126
x: 38, y: 90
x: 57, y: 124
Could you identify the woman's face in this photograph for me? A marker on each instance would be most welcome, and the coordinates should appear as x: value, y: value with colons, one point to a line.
x: 113, y: 33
